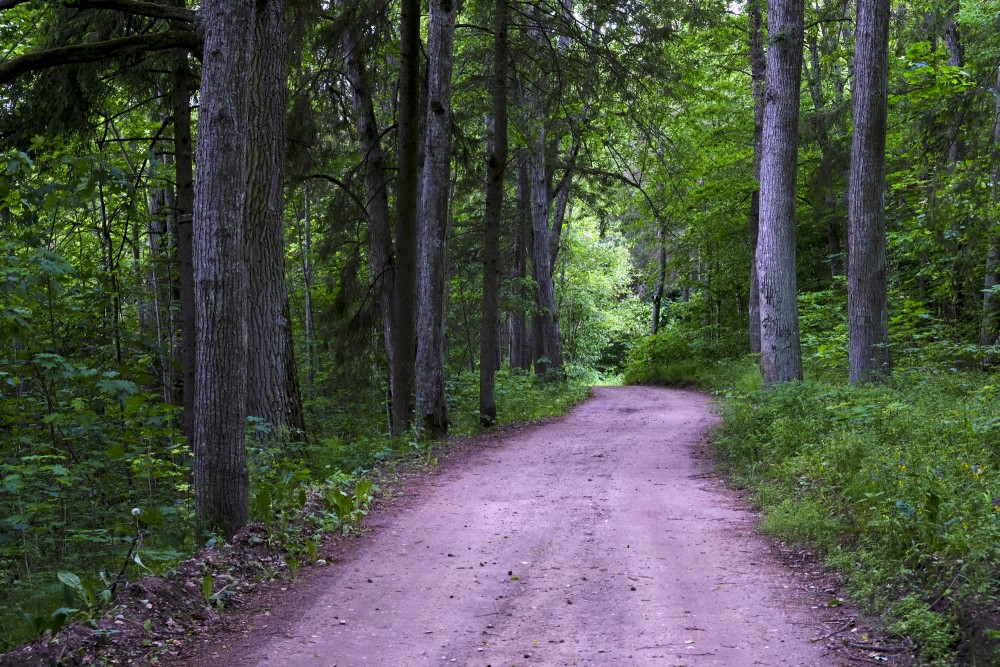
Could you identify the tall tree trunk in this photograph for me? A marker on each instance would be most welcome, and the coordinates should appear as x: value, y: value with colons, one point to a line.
x: 432, y: 405
x: 307, y: 282
x: 758, y: 65
x: 824, y: 201
x: 183, y: 215
x: 781, y: 355
x: 220, y: 472
x: 661, y: 276
x: 380, y: 262
x: 866, y: 273
x: 548, y: 346
x: 520, y: 340
x: 496, y: 168
x: 561, y: 198
x: 271, y: 385
x: 407, y: 200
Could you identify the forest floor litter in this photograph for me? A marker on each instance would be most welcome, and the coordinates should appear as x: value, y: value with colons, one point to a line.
x: 602, y: 538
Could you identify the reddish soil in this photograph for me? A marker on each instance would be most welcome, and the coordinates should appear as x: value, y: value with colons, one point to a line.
x: 603, y: 538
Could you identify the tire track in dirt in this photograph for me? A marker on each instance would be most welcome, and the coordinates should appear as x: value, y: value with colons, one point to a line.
x: 598, y: 539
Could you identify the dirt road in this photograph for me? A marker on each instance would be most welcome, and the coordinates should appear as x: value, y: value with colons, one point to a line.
x: 599, y: 539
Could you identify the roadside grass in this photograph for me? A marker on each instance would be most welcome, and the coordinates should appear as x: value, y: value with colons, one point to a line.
x: 897, y: 484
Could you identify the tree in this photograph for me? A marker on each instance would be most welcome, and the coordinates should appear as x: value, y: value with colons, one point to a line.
x: 758, y: 65
x: 376, y: 199
x: 221, y: 478
x: 496, y: 169
x: 407, y: 200
x: 781, y: 355
x: 432, y: 405
x: 273, y: 393
x: 866, y: 273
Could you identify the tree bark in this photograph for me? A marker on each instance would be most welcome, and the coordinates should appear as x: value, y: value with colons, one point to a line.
x: 183, y: 216
x: 781, y: 355
x: 496, y: 168
x: 520, y: 340
x: 271, y: 385
x: 432, y: 405
x: 380, y: 262
x: 758, y: 65
x: 561, y: 198
x: 548, y: 346
x: 407, y: 180
x: 866, y: 273
x: 220, y: 471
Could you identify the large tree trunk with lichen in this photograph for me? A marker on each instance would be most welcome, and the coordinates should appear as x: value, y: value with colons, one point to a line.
x: 273, y: 395
x: 781, y: 355
x: 220, y: 277
x: 432, y: 406
x: 866, y: 270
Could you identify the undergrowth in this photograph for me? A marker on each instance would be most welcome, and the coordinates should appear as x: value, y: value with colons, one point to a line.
x: 897, y: 484
x: 299, y: 491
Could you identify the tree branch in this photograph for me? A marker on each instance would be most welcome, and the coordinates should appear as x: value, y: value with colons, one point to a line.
x: 97, y: 51
x: 138, y: 7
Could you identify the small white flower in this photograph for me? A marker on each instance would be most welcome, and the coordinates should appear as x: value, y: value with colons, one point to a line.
x: 136, y: 511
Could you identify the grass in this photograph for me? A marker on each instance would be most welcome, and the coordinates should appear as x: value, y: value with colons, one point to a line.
x: 898, y: 485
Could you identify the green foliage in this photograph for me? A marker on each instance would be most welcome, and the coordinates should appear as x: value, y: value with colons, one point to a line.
x: 520, y: 397
x: 682, y: 353
x: 898, y: 483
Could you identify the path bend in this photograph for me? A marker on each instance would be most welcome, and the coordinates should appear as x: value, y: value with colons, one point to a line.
x: 599, y: 539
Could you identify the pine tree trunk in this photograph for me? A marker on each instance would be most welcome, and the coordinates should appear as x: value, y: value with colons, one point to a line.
x: 866, y: 270
x: 220, y: 473
x: 496, y: 168
x: 757, y: 71
x: 183, y: 215
x: 432, y: 406
x: 380, y: 261
x: 272, y: 385
x: 781, y: 356
x: 407, y: 200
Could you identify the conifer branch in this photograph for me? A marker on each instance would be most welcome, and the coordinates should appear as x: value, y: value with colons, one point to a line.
x: 97, y: 51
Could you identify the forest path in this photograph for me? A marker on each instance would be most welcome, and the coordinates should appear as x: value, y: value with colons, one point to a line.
x: 602, y: 538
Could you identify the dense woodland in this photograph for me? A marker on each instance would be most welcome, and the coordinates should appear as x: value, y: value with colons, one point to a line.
x: 254, y: 247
